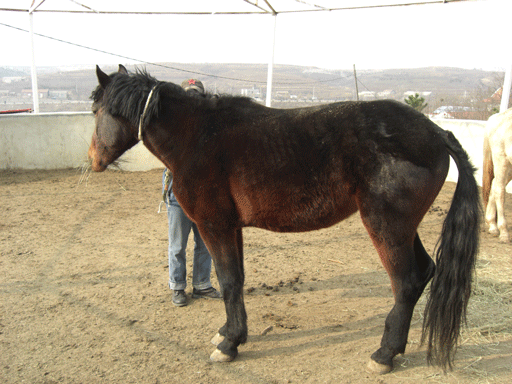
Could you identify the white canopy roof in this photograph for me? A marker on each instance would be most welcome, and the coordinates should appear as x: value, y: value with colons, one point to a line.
x: 213, y: 7
x: 203, y: 6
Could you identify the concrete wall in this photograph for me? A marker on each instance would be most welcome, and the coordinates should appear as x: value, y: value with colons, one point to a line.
x: 61, y: 140
x: 57, y: 140
x: 470, y: 134
x: 44, y: 141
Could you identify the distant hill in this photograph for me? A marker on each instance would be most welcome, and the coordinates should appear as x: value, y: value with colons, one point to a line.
x: 9, y: 72
x: 292, y: 84
x: 230, y: 78
x: 329, y: 83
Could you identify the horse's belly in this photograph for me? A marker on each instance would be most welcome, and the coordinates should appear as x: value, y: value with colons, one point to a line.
x: 303, y: 223
x: 294, y: 212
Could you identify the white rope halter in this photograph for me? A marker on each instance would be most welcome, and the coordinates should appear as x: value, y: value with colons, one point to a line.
x: 144, y: 113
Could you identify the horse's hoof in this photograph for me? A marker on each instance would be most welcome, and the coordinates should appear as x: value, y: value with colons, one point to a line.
x: 217, y: 339
x: 494, y: 232
x: 218, y: 357
x: 380, y: 369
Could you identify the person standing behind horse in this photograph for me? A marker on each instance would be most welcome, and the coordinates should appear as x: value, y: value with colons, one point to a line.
x: 179, y: 230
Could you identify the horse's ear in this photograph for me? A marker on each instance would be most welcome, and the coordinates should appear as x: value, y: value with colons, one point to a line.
x: 103, y: 78
x: 122, y: 69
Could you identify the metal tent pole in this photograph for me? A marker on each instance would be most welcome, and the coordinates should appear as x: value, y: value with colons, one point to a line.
x: 33, y: 72
x: 505, y: 96
x: 270, y: 71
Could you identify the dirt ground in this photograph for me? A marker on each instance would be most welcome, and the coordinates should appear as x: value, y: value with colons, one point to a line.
x: 84, y: 296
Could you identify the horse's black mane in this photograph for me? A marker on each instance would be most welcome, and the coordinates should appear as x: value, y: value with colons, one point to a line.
x: 126, y: 96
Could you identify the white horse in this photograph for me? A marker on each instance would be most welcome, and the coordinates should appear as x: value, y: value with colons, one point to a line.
x: 497, y: 171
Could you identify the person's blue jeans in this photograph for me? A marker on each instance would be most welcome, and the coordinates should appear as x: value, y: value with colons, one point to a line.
x: 179, y: 230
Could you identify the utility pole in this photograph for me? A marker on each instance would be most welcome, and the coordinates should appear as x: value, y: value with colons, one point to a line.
x: 357, y: 88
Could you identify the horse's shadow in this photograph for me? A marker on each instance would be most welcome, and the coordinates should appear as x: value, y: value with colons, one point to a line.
x: 318, y: 338
x: 493, y: 357
x: 356, y: 285
x: 363, y: 285
x: 371, y: 284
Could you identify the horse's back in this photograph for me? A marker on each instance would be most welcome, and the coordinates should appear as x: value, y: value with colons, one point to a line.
x: 498, y: 133
x: 303, y: 169
x: 331, y: 131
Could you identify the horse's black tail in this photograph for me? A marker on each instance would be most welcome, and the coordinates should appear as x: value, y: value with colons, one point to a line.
x: 455, y: 262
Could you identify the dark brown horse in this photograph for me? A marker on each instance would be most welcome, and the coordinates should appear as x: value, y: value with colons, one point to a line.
x: 238, y: 164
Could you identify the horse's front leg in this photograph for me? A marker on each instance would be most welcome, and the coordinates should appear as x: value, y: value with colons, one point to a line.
x: 227, y: 254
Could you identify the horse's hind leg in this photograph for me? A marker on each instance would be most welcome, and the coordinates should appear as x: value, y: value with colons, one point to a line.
x: 410, y: 269
x: 391, y: 208
x: 490, y: 213
x: 495, y: 214
x: 391, y: 220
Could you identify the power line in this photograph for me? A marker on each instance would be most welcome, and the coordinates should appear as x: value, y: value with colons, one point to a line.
x: 171, y: 67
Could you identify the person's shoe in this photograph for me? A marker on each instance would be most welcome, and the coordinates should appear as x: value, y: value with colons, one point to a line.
x: 179, y: 298
x: 208, y: 293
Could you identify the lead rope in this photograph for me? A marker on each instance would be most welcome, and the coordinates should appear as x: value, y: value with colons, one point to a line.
x: 144, y: 114
x: 167, y: 183
x: 160, y: 206
x: 142, y: 140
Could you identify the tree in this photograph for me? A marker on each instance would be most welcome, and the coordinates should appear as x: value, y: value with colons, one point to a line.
x: 416, y: 101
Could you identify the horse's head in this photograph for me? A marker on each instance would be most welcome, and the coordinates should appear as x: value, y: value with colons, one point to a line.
x: 114, y: 134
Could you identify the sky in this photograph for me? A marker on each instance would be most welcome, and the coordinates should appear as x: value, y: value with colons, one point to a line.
x: 464, y: 34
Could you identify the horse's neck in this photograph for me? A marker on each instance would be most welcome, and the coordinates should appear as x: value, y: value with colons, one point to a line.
x: 170, y: 136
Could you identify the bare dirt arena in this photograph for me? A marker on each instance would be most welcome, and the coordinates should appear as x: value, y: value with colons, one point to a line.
x: 84, y: 297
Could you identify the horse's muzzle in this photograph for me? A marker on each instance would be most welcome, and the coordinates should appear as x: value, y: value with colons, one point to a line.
x: 92, y: 154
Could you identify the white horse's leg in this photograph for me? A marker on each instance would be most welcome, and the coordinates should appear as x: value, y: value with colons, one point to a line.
x: 490, y: 212
x: 498, y: 144
x: 502, y: 221
x: 498, y: 191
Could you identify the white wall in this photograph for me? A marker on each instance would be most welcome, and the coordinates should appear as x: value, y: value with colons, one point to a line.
x: 61, y: 140
x: 45, y: 141
x: 470, y: 134
x: 57, y: 140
